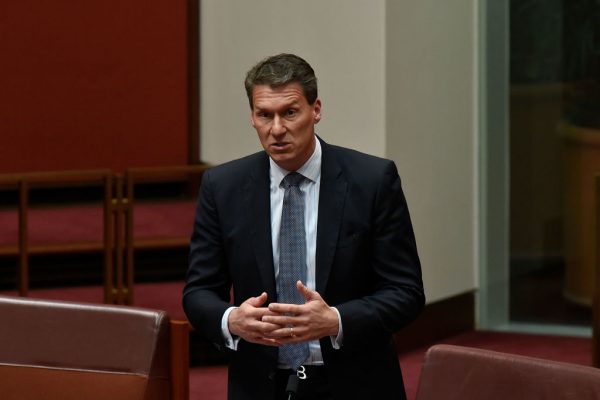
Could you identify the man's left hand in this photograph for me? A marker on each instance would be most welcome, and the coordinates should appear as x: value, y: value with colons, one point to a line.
x: 302, y: 322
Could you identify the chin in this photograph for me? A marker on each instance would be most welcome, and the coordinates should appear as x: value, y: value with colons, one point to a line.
x: 280, y: 157
x: 283, y: 162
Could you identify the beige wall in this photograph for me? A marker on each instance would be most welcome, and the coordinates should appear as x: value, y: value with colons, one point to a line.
x: 431, y: 132
x: 342, y: 39
x: 397, y: 79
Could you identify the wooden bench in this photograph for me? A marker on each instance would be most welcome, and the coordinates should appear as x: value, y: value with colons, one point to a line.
x: 116, y: 225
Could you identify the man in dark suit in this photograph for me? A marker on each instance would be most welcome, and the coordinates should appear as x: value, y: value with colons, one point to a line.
x: 361, y: 275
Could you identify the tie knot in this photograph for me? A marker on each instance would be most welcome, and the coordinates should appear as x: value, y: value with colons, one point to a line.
x: 292, y: 179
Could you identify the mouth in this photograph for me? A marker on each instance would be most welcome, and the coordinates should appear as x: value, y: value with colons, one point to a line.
x: 280, y: 146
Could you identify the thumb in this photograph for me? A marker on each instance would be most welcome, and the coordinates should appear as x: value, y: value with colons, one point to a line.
x: 308, y: 294
x: 257, y: 301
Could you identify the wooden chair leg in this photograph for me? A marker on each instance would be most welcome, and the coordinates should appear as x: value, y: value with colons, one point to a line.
x: 180, y: 360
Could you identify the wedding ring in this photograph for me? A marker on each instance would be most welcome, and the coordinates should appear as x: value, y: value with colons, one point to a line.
x: 292, y: 331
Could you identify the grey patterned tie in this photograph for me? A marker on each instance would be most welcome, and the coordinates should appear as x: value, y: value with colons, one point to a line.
x: 292, y: 260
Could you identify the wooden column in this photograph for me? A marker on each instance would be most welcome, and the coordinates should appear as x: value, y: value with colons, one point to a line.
x: 129, y: 273
x: 596, y: 300
x: 109, y: 241
x: 117, y: 285
x: 23, y: 274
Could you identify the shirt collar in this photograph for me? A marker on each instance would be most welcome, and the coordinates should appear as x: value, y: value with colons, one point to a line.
x: 311, y: 169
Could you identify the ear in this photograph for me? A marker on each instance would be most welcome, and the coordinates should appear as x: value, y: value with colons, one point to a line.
x: 317, y: 110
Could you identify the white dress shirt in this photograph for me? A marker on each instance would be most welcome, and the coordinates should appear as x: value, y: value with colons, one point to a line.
x: 310, y: 187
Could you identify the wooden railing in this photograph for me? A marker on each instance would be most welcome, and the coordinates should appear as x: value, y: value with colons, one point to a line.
x: 27, y: 181
x: 191, y: 174
x: 118, y: 203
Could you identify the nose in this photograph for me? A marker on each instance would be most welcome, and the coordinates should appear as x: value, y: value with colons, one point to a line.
x: 278, y: 127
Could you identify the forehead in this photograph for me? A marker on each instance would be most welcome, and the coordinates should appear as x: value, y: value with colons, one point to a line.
x: 265, y: 96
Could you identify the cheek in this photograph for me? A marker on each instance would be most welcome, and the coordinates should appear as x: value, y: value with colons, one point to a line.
x: 306, y: 128
x: 263, y: 135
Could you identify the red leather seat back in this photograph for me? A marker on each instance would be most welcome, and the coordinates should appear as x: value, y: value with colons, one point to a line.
x: 461, y: 373
x: 62, y: 350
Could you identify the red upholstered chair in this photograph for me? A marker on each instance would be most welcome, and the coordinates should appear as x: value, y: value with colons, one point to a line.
x: 461, y: 373
x: 59, y: 350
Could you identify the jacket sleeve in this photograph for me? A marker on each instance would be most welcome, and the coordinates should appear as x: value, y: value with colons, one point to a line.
x: 206, y: 295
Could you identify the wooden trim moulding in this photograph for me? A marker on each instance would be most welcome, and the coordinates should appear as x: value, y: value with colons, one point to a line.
x: 193, y: 81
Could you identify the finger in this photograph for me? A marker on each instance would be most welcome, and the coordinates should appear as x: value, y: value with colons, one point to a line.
x: 283, y: 308
x: 259, y: 313
x: 278, y: 333
x: 288, y: 334
x: 257, y: 331
x: 257, y: 301
x: 263, y: 326
x: 265, y: 311
x: 280, y: 320
x: 307, y: 293
x: 264, y: 340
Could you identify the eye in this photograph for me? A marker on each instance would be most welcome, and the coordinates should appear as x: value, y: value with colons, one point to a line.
x: 263, y: 115
x: 291, y: 112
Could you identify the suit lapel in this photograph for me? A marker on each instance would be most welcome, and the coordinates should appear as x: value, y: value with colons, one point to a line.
x: 332, y: 194
x: 257, y: 196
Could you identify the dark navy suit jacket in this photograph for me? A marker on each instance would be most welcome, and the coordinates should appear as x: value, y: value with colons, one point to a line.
x: 366, y: 265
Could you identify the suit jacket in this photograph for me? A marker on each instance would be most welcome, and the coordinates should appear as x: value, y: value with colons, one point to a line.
x: 366, y: 265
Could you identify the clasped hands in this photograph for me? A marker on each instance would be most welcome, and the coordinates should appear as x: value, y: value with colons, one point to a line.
x: 280, y: 323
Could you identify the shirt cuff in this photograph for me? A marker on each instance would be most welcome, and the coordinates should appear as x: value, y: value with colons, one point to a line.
x: 230, y: 341
x: 337, y: 341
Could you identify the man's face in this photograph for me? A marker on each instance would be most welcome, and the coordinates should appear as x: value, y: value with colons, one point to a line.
x: 285, y: 123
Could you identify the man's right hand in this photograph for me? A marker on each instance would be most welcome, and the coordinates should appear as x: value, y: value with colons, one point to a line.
x: 246, y: 321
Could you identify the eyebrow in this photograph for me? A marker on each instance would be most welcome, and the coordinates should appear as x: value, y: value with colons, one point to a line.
x: 294, y: 103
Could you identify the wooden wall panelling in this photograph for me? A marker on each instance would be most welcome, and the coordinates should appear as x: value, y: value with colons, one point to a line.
x: 98, y: 84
